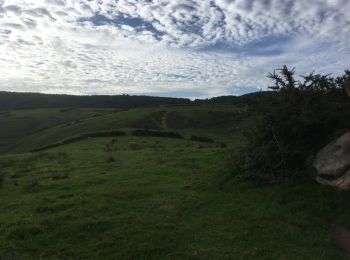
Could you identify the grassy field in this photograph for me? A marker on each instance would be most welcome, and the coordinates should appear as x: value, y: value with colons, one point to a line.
x: 155, y: 198
x: 163, y: 199
x: 19, y: 124
x: 25, y: 130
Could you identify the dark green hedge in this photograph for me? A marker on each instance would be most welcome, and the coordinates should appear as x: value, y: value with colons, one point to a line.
x: 81, y: 137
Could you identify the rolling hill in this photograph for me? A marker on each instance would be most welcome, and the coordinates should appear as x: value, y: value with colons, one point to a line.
x: 150, y: 197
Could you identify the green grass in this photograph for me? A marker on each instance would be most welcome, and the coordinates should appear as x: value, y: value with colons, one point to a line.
x: 18, y: 124
x: 44, y: 127
x: 161, y: 199
x: 167, y: 199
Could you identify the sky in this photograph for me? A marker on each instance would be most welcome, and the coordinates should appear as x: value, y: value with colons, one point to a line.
x: 180, y: 48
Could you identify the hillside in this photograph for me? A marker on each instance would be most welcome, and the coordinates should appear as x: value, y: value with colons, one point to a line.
x: 153, y: 197
x: 19, y: 124
x: 241, y: 153
x: 13, y: 100
x: 194, y: 120
x: 26, y: 129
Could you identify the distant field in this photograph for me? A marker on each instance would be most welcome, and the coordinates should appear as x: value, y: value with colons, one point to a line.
x: 25, y: 130
x: 18, y: 124
x: 163, y: 199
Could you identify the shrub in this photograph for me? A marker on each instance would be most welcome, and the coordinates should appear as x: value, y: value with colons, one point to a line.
x: 2, y: 180
x: 309, y: 114
x: 154, y: 133
x: 81, y: 137
x: 59, y: 176
x: 222, y: 145
x: 202, y: 139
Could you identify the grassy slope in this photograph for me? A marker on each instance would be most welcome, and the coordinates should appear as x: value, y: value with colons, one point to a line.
x: 167, y: 200
x: 202, y: 119
x: 18, y: 124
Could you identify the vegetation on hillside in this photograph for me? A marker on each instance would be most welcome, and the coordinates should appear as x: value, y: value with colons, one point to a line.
x: 307, y: 115
x: 151, y: 196
x: 27, y: 130
x: 19, y: 124
x: 12, y: 100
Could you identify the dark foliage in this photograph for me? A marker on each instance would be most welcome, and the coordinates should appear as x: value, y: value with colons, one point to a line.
x: 59, y: 176
x: 222, y: 145
x: 14, y: 100
x: 11, y: 100
x: 81, y: 137
x: 202, y: 139
x: 154, y: 133
x: 309, y: 114
x: 2, y: 180
x: 216, y: 100
x: 256, y: 100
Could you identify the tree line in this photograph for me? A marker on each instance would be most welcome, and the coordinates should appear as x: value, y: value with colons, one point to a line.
x: 13, y: 100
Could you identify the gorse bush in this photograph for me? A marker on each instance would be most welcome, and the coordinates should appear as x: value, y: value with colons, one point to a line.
x: 154, y: 133
x: 309, y: 113
x: 2, y: 180
x: 80, y: 137
x: 202, y: 139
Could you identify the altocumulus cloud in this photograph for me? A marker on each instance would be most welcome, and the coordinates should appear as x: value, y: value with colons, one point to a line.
x: 193, y: 48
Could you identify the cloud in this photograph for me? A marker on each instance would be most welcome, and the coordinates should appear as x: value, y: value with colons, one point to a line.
x: 194, y: 47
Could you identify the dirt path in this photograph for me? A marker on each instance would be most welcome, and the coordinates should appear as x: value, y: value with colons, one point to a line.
x: 163, y: 120
x: 342, y: 235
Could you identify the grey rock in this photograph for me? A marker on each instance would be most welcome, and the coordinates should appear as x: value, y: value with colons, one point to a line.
x: 332, y: 163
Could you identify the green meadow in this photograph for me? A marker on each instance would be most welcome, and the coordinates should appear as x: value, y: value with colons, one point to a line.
x: 152, y: 197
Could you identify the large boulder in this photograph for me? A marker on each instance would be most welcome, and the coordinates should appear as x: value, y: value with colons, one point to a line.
x: 332, y: 163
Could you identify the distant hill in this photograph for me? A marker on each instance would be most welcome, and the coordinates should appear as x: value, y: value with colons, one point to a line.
x: 12, y: 100
x: 257, y: 101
